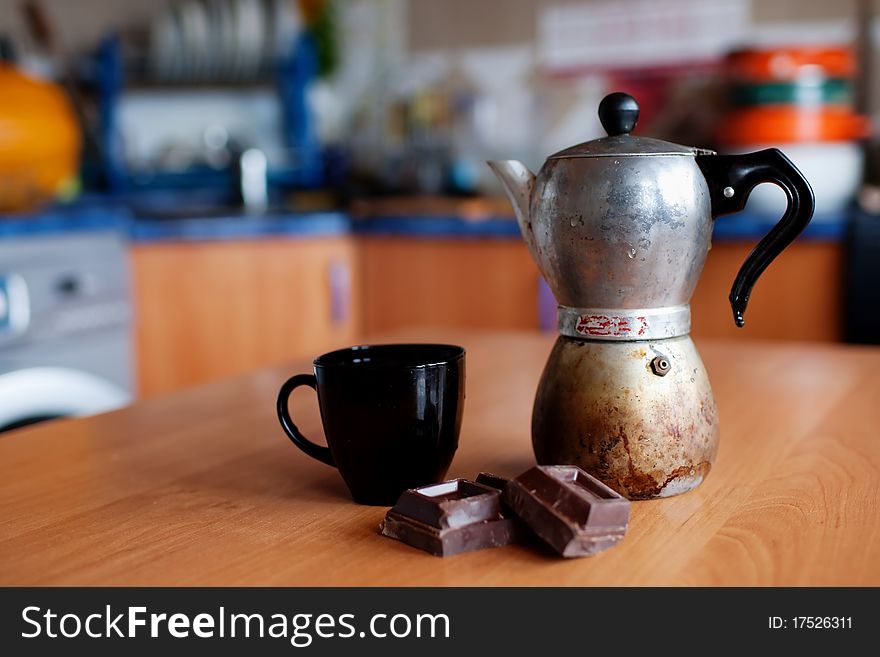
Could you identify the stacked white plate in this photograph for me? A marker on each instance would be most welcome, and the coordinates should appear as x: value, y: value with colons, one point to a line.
x: 205, y: 40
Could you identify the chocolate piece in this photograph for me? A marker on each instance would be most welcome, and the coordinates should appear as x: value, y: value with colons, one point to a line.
x: 572, y: 511
x: 449, y: 518
x: 450, y: 504
x: 492, y: 481
x: 447, y: 542
x: 521, y: 531
x: 500, y: 484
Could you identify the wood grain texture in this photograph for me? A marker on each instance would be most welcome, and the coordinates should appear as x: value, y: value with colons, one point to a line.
x: 447, y: 283
x: 798, y: 297
x: 201, y: 487
x: 206, y: 310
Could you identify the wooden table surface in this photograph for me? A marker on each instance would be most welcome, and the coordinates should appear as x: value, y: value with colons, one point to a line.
x: 202, y: 487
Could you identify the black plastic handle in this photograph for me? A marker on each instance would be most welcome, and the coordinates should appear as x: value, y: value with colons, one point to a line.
x: 731, y: 179
x: 315, y: 451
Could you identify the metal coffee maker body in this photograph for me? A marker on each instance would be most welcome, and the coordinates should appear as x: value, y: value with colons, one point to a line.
x: 620, y: 228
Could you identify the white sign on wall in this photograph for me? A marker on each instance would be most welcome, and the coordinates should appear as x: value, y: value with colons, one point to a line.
x: 638, y: 33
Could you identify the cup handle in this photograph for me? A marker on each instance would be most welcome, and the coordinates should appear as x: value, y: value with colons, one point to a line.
x: 318, y: 452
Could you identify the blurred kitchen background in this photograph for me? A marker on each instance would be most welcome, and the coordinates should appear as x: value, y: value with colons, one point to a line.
x: 191, y: 189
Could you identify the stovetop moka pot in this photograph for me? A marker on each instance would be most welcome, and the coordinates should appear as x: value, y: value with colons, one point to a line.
x: 620, y: 228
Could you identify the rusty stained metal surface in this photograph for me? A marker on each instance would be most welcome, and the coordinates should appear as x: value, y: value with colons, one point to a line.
x: 621, y: 233
x: 601, y: 406
x: 627, y: 232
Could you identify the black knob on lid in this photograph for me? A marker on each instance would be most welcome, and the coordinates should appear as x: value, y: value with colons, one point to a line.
x: 619, y: 113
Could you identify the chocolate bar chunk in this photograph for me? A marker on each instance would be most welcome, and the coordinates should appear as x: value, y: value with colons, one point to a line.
x: 492, y: 481
x: 520, y: 530
x: 572, y: 511
x: 449, y: 518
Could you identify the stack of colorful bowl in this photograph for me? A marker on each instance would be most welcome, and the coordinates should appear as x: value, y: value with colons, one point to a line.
x: 799, y: 100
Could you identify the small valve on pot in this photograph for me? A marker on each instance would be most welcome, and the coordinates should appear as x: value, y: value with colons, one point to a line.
x: 661, y: 365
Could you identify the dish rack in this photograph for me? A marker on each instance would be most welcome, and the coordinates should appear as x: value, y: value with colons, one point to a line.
x: 113, y: 75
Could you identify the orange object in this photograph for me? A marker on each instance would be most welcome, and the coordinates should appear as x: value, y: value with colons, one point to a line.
x: 39, y: 141
x: 785, y: 124
x: 789, y: 63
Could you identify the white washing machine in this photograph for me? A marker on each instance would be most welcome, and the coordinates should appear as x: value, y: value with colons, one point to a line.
x: 65, y: 327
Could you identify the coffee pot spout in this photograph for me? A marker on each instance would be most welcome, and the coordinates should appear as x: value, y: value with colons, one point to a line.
x: 518, y: 182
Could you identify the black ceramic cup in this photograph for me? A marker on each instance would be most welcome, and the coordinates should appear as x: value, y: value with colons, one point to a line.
x: 391, y: 415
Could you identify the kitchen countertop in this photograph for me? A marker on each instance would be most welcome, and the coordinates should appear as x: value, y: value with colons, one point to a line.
x: 109, y: 216
x: 438, y: 227
x: 202, y: 487
x: 238, y: 227
x: 63, y: 219
x: 423, y: 219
